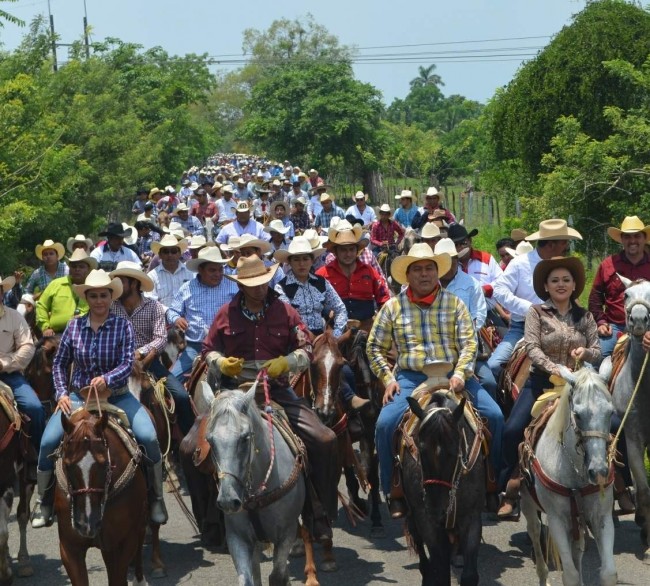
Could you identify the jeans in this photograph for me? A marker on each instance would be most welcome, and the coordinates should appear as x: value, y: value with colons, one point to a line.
x: 488, y: 408
x: 28, y: 403
x: 183, y: 365
x: 503, y: 351
x: 141, y: 424
x: 184, y: 412
x: 347, y: 383
x: 607, y: 343
x: 486, y: 378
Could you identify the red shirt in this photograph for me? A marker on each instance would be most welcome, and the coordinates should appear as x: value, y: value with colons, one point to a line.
x: 607, y: 292
x: 209, y: 210
x: 392, y: 233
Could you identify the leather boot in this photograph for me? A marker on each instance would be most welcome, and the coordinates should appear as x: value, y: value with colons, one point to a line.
x: 397, y: 501
x: 509, y: 509
x: 42, y: 513
x: 158, y: 512
x: 623, y: 496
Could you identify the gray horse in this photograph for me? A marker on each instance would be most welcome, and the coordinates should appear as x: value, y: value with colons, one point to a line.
x: 253, y: 464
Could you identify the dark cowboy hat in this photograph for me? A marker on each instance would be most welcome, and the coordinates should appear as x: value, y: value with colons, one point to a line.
x: 354, y: 220
x: 458, y: 233
x: 570, y: 263
x: 115, y: 229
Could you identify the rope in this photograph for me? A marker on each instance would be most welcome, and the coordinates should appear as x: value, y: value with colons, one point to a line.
x: 268, y: 410
x: 93, y: 389
x: 160, y: 396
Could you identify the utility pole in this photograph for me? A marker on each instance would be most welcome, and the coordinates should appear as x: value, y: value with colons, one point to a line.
x: 54, y: 63
x: 86, y: 43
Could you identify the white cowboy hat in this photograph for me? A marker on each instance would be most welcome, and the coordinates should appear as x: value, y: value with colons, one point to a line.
x: 242, y: 207
x: 299, y: 245
x: 49, y: 244
x: 7, y: 283
x: 277, y: 226
x: 432, y: 191
x: 630, y: 225
x: 447, y: 246
x: 182, y: 207
x: 300, y: 200
x: 198, y: 241
x: 250, y: 241
x: 405, y: 193
x: 420, y: 251
x: 385, y: 208
x: 554, y: 229
x: 326, y: 197
x: 207, y: 254
x: 232, y: 244
x: 341, y: 235
x: 80, y: 255
x: 522, y: 248
x: 133, y: 237
x: 169, y: 241
x: 315, y: 239
x: 360, y: 195
x: 99, y: 279
x: 430, y: 230
x: 251, y: 272
x: 78, y: 238
x: 27, y: 298
x: 128, y: 268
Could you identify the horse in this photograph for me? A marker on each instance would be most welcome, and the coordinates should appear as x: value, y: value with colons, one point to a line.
x: 261, y: 488
x: 634, y: 374
x: 410, y: 238
x: 444, y: 485
x: 13, y: 444
x: 39, y: 371
x: 385, y: 259
x: 568, y: 475
x: 100, y: 498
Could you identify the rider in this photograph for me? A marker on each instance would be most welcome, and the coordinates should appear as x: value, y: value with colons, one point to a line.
x: 51, y: 254
x: 385, y: 232
x: 253, y: 312
x: 113, y: 250
x: 102, y: 347
x: 426, y: 324
x: 329, y: 210
x: 406, y: 212
x: 171, y: 273
x: 427, y: 212
x: 361, y: 210
x: 244, y: 224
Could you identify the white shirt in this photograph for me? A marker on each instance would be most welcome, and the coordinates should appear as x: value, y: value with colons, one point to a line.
x: 236, y: 229
x: 227, y: 209
x: 107, y: 258
x: 485, y: 270
x: 513, y: 289
x: 165, y: 283
x: 469, y: 291
x: 367, y: 215
x: 314, y: 206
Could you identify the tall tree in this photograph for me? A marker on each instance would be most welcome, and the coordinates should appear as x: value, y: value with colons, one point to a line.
x: 5, y: 16
x: 426, y: 76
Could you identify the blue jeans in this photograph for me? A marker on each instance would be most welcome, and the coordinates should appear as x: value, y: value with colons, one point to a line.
x: 503, y: 351
x: 184, y: 412
x: 488, y: 408
x: 28, y: 403
x: 183, y: 365
x: 141, y: 424
x: 347, y: 383
x: 486, y: 378
x: 607, y: 343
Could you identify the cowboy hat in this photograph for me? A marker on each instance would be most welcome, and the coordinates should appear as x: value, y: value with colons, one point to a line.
x: 198, y: 241
x: 326, y: 197
x: 127, y: 268
x: 341, y: 236
x: 131, y: 238
x: 250, y: 241
x: 324, y: 186
x: 168, y: 241
x: 630, y: 225
x: 360, y: 195
x: 299, y: 245
x: 420, y: 251
x: 279, y: 202
x: 182, y: 207
x: 404, y: 193
x: 242, y: 207
x: 49, y: 244
x: 572, y: 263
x: 300, y: 200
x: 277, y: 226
x: 154, y: 191
x: 314, y: 238
x: 251, y: 272
x: 385, y: 208
x: 554, y: 229
x: 227, y: 188
x: 207, y: 254
x: 117, y: 229
x: 432, y: 191
x: 430, y: 230
x: 78, y: 238
x: 458, y: 233
x: 517, y: 234
x: 232, y: 244
x: 98, y: 279
x: 7, y: 283
x: 522, y: 248
x: 447, y: 246
x: 80, y: 255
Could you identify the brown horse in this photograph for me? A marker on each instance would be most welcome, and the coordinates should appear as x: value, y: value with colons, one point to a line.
x: 13, y: 446
x: 100, y: 498
x: 39, y: 371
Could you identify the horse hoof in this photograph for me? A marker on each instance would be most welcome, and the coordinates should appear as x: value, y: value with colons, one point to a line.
x: 329, y: 566
x: 158, y: 573
x: 377, y: 532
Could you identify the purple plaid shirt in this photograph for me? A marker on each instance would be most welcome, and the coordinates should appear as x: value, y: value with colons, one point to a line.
x: 108, y: 353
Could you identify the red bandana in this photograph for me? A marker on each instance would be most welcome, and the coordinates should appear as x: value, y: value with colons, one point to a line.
x: 427, y: 299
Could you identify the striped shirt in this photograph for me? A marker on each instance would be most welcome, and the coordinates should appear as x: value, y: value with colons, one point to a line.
x: 109, y: 353
x: 192, y: 225
x: 440, y: 332
x: 149, y: 324
x: 236, y: 229
x: 166, y: 283
x: 40, y: 278
x: 324, y: 219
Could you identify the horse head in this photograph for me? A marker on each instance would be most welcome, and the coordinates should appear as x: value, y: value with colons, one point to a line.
x: 87, y: 468
x: 637, y: 306
x: 438, y: 438
x: 39, y: 370
x: 326, y: 377
x: 174, y: 347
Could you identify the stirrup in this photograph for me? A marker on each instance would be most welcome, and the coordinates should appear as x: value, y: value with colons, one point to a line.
x: 509, y: 509
x: 41, y: 515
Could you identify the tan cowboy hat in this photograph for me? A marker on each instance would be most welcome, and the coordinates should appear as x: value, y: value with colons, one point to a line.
x: 299, y: 245
x: 342, y: 235
x: 251, y: 272
x: 7, y: 283
x: 630, y: 225
x: 326, y: 197
x: 572, y: 263
x: 232, y: 244
x: 279, y: 202
x: 554, y: 229
x: 182, y: 207
x: 522, y: 248
x: 300, y: 200
x: 78, y: 238
x: 207, y: 254
x: 80, y: 255
x: 405, y: 193
x: 277, y: 226
x: 99, y: 279
x: 250, y: 241
x: 128, y: 268
x: 430, y: 230
x: 169, y: 241
x: 49, y: 244
x: 445, y: 245
x: 420, y: 251
x: 316, y: 240
x: 517, y: 234
x: 198, y: 241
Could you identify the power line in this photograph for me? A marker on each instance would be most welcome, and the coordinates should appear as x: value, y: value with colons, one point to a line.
x: 454, y: 42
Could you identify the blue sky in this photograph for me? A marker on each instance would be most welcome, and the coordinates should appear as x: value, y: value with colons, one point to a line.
x: 446, y: 34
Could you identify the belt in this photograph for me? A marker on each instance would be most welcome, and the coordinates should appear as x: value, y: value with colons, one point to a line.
x: 114, y: 392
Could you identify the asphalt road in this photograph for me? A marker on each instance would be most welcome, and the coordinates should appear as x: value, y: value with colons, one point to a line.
x: 504, y: 557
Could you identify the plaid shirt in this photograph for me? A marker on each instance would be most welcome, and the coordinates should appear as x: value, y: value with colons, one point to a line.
x: 324, y: 219
x: 301, y: 221
x: 144, y: 243
x: 441, y: 332
x: 40, y: 278
x: 108, y: 353
x: 148, y: 321
x: 392, y: 233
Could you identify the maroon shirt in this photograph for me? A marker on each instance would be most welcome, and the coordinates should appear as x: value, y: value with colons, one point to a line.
x: 209, y: 210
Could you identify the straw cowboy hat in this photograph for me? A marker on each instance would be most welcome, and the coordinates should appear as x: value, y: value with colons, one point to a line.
x: 168, y: 241
x: 517, y: 234
x: 420, y: 251
x: 7, y: 283
x: 251, y: 272
x: 207, y: 254
x: 571, y: 263
x: 431, y: 192
x: 447, y: 246
x: 182, y: 207
x: 78, y: 238
x: 80, y: 255
x: 232, y: 244
x: 127, y: 268
x: 341, y: 235
x: 299, y: 245
x: 277, y: 226
x: 554, y: 229
x: 250, y: 241
x: 279, y: 202
x: 359, y: 195
x: 326, y: 197
x: 198, y: 241
x: 49, y: 244
x: 405, y: 193
x: 630, y: 225
x: 430, y: 230
x: 300, y: 200
x: 242, y: 207
x: 522, y: 248
x: 385, y: 208
x: 315, y: 239
x: 99, y: 279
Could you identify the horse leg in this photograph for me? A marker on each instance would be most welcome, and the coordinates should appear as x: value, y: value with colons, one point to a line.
x: 375, y: 496
x: 310, y: 564
x: 74, y: 561
x: 158, y: 566
x: 577, y: 551
x: 280, y: 574
x: 601, y: 524
x: 353, y: 489
x: 6, y: 576
x: 329, y: 562
x: 534, y: 528
x: 560, y: 529
x: 635, y: 450
x: 470, y: 541
x: 256, y: 565
x: 25, y: 568
x: 242, y: 553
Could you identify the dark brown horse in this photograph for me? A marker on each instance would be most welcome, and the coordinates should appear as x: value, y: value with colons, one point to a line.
x: 39, y: 371
x: 100, y: 499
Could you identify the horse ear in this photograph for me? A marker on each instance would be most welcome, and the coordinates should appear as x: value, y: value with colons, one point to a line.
x: 415, y: 408
x: 567, y: 375
x: 459, y: 411
x: 67, y: 426
x: 249, y: 398
x: 627, y: 282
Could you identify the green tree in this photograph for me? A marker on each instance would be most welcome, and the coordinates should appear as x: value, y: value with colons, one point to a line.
x: 426, y: 76
x: 5, y: 16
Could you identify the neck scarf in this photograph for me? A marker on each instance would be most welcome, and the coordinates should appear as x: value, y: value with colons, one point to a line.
x: 427, y: 299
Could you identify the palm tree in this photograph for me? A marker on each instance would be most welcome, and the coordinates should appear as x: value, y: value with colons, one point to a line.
x: 426, y: 77
x: 10, y: 17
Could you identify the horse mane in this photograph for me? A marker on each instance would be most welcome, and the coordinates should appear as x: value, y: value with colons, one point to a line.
x: 40, y: 355
x: 228, y: 407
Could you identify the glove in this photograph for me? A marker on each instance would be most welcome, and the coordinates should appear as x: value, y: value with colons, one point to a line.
x: 230, y: 366
x: 277, y: 366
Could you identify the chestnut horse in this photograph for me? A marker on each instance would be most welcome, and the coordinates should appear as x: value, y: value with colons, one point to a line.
x: 100, y: 499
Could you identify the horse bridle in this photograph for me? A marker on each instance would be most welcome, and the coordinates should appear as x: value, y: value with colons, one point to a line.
x: 632, y: 304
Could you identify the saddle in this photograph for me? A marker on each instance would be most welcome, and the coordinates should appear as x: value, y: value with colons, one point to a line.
x: 17, y: 419
x: 618, y: 358
x: 515, y: 374
x: 8, y: 405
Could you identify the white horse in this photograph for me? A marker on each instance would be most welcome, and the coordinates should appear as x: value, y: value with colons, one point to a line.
x: 572, y: 479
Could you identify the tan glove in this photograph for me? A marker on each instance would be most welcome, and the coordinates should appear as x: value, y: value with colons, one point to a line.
x: 230, y: 366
